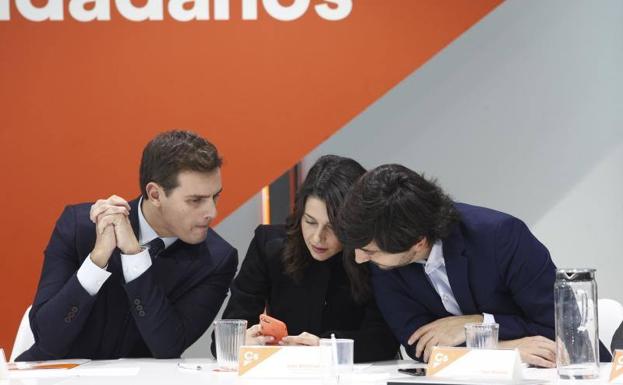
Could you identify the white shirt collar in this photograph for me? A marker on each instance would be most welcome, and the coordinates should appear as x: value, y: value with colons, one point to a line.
x: 435, y: 258
x: 146, y: 233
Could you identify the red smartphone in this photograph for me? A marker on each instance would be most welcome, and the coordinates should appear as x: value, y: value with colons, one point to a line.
x: 273, y: 327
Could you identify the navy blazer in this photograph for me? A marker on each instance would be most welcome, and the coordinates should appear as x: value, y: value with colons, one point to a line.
x: 494, y: 264
x: 159, y: 314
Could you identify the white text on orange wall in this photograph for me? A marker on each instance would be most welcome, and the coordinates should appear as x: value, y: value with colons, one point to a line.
x: 180, y: 10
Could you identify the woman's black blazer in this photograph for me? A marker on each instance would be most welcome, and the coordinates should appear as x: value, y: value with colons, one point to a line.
x: 321, y: 303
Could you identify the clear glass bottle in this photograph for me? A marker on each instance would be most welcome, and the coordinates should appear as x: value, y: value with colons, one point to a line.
x: 577, y: 331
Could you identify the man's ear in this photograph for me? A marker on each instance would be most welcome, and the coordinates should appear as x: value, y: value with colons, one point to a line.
x: 421, y: 245
x: 154, y: 193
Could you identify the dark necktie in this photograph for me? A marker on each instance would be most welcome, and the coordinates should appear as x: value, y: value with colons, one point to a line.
x: 156, y: 247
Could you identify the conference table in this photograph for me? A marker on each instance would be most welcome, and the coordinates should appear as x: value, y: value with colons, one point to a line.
x: 201, y: 371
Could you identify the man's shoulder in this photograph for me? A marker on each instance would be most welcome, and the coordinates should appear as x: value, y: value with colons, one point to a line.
x: 215, y: 238
x: 79, y: 208
x: 76, y: 214
x: 478, y: 216
x: 74, y: 229
x: 217, y: 244
x: 481, y: 225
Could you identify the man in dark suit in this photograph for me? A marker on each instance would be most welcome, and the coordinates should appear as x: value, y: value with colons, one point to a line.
x: 438, y: 265
x: 138, y: 279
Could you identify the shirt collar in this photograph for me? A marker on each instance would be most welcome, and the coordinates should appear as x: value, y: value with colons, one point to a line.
x: 435, y: 258
x: 146, y: 233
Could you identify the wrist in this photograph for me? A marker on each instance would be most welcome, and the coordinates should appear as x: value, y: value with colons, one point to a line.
x: 99, y: 259
x: 131, y: 250
x: 508, y: 344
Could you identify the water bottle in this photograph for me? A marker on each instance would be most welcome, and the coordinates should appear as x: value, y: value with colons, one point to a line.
x: 577, y: 331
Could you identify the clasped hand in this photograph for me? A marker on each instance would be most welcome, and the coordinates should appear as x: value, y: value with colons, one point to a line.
x: 113, y: 229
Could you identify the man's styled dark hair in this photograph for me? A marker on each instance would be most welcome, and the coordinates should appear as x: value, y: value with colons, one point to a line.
x: 172, y: 152
x: 395, y: 207
x: 329, y: 180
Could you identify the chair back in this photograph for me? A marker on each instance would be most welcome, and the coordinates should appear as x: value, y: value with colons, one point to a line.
x: 24, y: 338
x: 610, y: 317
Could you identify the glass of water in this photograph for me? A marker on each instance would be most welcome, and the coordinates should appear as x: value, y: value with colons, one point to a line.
x: 481, y: 335
x: 229, y: 335
x: 341, y: 353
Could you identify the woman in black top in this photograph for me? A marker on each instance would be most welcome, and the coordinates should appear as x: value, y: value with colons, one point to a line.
x: 298, y: 273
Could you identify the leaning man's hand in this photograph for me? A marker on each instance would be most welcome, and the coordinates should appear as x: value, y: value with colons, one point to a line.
x: 449, y: 331
x: 534, y: 350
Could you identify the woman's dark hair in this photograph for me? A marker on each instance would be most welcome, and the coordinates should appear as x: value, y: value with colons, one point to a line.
x: 395, y: 207
x: 329, y: 180
x: 172, y: 152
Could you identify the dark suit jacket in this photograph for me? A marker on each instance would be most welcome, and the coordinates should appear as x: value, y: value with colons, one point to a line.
x: 494, y: 264
x: 159, y: 314
x: 320, y: 304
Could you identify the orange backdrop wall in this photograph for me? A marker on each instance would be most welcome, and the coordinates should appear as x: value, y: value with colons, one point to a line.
x: 79, y: 100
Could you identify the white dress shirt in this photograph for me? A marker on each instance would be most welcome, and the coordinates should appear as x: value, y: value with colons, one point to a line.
x: 435, y: 269
x: 92, y: 277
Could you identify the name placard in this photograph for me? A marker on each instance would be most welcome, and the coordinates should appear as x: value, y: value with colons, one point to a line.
x: 616, y: 373
x: 283, y: 361
x: 479, y: 364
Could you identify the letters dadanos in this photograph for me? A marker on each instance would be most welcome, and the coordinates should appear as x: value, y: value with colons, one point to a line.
x: 154, y: 10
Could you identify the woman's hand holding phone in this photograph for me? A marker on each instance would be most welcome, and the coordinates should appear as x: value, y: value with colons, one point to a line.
x: 270, y: 326
x: 304, y: 338
x: 254, y: 336
x: 271, y: 331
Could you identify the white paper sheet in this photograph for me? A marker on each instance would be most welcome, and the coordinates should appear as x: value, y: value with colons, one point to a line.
x: 55, y: 373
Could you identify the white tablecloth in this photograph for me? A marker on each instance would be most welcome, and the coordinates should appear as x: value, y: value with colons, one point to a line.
x: 181, y: 371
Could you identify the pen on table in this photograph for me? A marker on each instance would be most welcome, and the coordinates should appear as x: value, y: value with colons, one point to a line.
x: 189, y: 366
